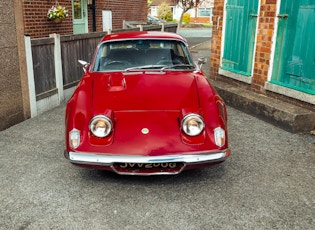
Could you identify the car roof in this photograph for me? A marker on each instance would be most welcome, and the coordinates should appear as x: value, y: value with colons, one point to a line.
x: 142, y: 35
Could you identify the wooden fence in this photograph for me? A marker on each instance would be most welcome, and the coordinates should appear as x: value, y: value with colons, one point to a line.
x: 53, y: 68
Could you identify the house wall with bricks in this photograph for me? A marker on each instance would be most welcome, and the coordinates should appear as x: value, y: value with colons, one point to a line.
x: 38, y: 25
x: 14, y: 103
x: 265, y: 33
x: 29, y: 17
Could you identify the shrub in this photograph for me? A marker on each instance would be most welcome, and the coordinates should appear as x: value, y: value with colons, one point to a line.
x: 186, y: 18
x: 165, y: 12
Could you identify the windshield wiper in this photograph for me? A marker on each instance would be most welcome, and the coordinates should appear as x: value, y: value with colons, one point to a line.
x: 137, y: 68
x: 161, y: 67
x: 186, y: 67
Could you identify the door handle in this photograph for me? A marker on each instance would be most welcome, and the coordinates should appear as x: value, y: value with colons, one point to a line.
x: 282, y: 15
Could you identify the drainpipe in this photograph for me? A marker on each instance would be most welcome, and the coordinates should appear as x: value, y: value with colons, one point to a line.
x: 93, y: 8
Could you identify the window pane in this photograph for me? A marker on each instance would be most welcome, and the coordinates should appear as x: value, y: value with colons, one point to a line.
x: 77, y: 9
x: 204, y: 12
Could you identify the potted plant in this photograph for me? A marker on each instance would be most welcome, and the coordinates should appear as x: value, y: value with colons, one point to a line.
x: 57, y: 13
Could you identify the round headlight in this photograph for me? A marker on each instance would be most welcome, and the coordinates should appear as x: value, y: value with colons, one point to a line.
x: 193, y: 124
x: 100, y: 126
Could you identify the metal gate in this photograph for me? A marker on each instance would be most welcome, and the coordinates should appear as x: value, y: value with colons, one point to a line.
x: 240, y: 32
x: 294, y: 61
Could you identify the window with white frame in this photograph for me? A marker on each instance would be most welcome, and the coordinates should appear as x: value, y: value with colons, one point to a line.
x: 204, y: 12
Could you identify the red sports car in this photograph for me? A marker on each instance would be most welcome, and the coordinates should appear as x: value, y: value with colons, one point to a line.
x: 143, y: 107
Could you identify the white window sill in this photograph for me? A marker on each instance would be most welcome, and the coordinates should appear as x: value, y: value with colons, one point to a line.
x: 235, y: 76
x: 290, y: 93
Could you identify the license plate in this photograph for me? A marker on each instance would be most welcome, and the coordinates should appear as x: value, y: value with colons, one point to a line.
x: 172, y: 165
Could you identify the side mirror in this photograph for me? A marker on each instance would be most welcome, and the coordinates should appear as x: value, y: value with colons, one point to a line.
x: 201, y: 61
x: 84, y: 64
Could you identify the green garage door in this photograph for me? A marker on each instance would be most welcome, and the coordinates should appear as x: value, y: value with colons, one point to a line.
x: 241, y: 20
x: 294, y: 61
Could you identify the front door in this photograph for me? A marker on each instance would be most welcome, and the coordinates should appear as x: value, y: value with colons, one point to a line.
x: 79, y: 14
x: 240, y: 33
x: 294, y: 60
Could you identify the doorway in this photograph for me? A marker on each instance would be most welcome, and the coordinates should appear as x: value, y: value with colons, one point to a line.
x: 79, y: 16
x: 240, y: 35
x: 294, y: 60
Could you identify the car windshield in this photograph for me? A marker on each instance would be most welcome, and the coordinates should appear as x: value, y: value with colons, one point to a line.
x: 153, y: 54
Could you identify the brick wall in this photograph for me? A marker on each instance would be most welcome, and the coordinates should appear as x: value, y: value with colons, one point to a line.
x: 38, y: 25
x: 36, y: 22
x: 199, y: 20
x: 264, y: 44
x: 262, y: 55
x: 216, y: 38
x: 132, y: 10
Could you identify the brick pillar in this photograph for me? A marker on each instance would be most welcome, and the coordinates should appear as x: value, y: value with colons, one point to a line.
x: 264, y: 44
x: 216, y: 38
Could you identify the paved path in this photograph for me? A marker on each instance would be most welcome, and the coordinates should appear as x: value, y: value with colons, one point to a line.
x: 267, y: 183
x: 196, y: 36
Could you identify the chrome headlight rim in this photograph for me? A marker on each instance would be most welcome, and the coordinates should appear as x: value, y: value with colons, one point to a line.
x: 104, y: 124
x: 193, y: 124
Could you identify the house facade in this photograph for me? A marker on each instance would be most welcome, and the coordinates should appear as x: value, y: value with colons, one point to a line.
x: 29, y: 17
x: 200, y: 14
x: 266, y: 46
x: 84, y: 16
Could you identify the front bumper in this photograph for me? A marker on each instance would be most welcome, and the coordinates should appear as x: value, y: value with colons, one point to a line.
x: 95, y: 159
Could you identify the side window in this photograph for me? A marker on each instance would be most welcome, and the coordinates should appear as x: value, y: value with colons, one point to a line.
x: 180, y: 50
x: 100, y: 57
x: 105, y: 51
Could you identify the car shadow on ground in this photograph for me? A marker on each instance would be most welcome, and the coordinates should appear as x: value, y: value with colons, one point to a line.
x: 215, y: 172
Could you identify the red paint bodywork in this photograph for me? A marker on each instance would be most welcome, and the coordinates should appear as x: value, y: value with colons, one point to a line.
x: 156, y: 100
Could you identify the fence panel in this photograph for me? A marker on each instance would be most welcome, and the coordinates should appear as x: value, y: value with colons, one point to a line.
x: 53, y: 80
x: 43, y: 65
x: 74, y: 48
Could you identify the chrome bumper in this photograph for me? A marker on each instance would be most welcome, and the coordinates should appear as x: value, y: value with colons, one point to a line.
x: 109, y: 160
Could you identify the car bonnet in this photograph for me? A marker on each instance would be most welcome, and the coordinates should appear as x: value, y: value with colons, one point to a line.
x: 145, y: 91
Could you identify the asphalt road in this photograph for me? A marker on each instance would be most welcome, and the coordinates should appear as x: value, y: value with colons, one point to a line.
x: 267, y: 183
x: 196, y: 36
